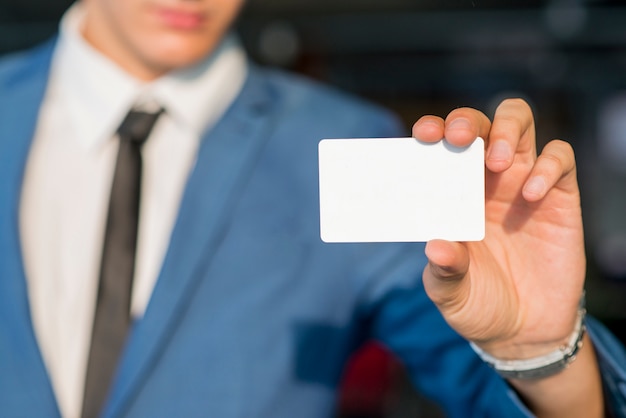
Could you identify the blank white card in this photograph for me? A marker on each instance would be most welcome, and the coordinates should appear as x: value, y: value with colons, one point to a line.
x: 401, y: 190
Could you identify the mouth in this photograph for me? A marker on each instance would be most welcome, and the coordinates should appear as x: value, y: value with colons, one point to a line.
x: 181, y: 19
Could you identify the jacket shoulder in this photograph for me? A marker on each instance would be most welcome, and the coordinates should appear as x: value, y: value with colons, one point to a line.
x: 21, y: 65
x: 309, y: 101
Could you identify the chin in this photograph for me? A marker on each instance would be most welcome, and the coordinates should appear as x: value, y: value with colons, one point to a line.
x: 181, y: 54
x: 164, y: 62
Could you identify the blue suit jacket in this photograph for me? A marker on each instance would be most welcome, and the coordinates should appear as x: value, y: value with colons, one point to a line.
x: 252, y: 315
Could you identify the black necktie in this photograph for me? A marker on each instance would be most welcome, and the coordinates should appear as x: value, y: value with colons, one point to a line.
x: 112, y: 316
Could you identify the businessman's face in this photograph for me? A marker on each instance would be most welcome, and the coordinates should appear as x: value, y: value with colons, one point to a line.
x: 151, y: 37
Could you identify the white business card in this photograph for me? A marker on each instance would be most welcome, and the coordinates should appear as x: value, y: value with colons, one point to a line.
x: 401, y: 190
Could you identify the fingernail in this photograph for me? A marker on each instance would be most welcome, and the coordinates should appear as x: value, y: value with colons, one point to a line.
x: 535, y: 186
x: 459, y: 123
x: 426, y: 127
x: 500, y: 151
x: 429, y: 122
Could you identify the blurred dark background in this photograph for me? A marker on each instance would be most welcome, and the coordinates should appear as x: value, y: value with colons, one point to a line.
x: 566, y: 57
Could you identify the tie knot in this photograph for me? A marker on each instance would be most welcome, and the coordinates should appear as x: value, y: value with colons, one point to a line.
x: 137, y: 125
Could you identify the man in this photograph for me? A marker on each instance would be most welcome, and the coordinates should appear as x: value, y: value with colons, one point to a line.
x: 238, y: 308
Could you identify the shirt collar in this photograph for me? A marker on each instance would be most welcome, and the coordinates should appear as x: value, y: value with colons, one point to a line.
x: 194, y: 97
x: 197, y: 96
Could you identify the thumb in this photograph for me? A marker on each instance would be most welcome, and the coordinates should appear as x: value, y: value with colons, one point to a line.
x: 445, y: 276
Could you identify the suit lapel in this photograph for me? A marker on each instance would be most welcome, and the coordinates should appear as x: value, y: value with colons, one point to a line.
x: 225, y: 160
x: 22, y: 93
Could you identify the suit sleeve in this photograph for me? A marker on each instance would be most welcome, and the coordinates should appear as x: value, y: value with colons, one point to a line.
x: 441, y: 364
x: 612, y: 358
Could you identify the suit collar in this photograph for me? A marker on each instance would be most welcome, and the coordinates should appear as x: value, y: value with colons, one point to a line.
x: 23, y: 84
x: 225, y: 161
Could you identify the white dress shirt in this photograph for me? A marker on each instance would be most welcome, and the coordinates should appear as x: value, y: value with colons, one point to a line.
x: 68, y: 178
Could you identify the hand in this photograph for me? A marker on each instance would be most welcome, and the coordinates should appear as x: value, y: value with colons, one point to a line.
x: 516, y: 292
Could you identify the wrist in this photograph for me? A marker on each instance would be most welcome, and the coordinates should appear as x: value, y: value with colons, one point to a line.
x: 537, y: 362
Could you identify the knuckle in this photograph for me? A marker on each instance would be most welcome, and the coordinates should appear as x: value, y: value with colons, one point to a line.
x: 552, y: 160
x: 564, y: 146
x: 559, y: 149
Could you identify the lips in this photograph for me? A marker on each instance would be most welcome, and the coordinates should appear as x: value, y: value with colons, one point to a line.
x: 181, y: 20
